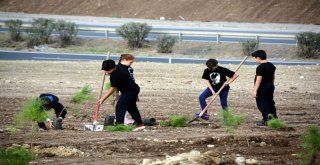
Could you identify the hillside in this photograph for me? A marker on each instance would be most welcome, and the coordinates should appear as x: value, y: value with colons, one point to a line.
x: 274, y: 11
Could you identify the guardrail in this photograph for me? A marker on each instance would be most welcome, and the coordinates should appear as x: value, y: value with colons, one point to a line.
x: 181, y: 33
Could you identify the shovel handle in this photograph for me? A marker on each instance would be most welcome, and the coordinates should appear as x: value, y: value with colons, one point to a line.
x: 96, y: 113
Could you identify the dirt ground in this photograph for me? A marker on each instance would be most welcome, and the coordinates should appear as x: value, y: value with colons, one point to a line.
x: 272, y: 11
x: 166, y: 90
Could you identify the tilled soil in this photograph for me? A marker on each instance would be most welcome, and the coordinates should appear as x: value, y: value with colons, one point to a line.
x: 166, y: 90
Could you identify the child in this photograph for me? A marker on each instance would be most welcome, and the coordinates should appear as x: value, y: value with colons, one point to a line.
x: 51, y: 101
x: 264, y: 86
x: 215, y: 76
x: 121, y: 80
x: 123, y: 62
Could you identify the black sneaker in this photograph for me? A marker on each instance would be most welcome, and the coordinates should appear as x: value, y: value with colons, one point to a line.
x: 261, y: 123
x: 58, y: 123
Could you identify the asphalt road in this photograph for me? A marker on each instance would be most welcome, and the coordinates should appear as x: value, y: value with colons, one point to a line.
x: 17, y: 55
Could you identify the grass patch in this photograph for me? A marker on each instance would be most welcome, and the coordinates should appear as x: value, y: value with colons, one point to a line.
x: 119, y: 127
x: 16, y: 155
x: 276, y: 123
x: 176, y: 121
x: 84, y: 94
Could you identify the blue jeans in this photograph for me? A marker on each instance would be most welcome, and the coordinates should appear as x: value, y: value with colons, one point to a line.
x: 207, y: 93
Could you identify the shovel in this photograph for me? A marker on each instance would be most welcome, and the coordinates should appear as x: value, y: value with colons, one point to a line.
x: 95, y: 126
x: 216, y: 94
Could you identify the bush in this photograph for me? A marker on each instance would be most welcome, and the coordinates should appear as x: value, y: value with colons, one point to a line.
x: 311, y: 145
x: 84, y: 94
x: 16, y: 155
x: 308, y: 44
x: 276, y: 123
x: 40, y: 32
x: 67, y: 32
x: 134, y: 33
x: 249, y: 46
x: 165, y: 43
x: 15, y: 28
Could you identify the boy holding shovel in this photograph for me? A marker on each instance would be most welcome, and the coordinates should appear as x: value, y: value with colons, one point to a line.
x: 214, y: 77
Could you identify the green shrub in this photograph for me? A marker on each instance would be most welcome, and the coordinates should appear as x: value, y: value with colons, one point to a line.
x: 33, y: 111
x: 16, y: 155
x: 119, y: 127
x: 165, y: 43
x: 230, y: 120
x: 308, y: 45
x: 134, y: 33
x: 276, y: 123
x: 67, y: 32
x: 176, y: 121
x: 15, y: 29
x: 311, y: 145
x: 40, y: 32
x: 84, y: 94
x: 248, y: 46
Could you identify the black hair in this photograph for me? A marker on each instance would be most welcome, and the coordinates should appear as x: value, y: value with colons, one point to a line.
x: 211, y: 63
x: 259, y: 53
x: 108, y: 65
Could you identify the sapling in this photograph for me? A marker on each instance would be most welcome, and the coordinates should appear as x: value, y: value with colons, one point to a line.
x: 84, y: 94
x: 119, y: 127
x: 176, y: 121
x: 311, y: 145
x: 231, y: 120
x: 276, y: 123
x: 33, y: 111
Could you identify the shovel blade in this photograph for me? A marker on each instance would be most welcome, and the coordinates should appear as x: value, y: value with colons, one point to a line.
x: 93, y: 127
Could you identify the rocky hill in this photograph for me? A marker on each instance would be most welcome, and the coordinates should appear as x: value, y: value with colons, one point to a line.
x: 263, y: 11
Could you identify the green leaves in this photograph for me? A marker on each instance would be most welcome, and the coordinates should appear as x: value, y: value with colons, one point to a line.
x: 16, y: 155
x: 119, y: 127
x: 33, y: 111
x: 176, y: 121
x: 276, y: 123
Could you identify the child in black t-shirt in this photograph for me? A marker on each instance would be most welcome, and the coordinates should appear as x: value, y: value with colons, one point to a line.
x: 121, y: 80
x: 215, y: 76
x: 264, y: 87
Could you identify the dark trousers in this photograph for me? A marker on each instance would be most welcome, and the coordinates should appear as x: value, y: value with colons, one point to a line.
x: 128, y: 102
x: 58, y: 110
x: 207, y: 93
x: 265, y: 102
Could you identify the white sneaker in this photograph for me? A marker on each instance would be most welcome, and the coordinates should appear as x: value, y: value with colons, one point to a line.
x: 140, y: 127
